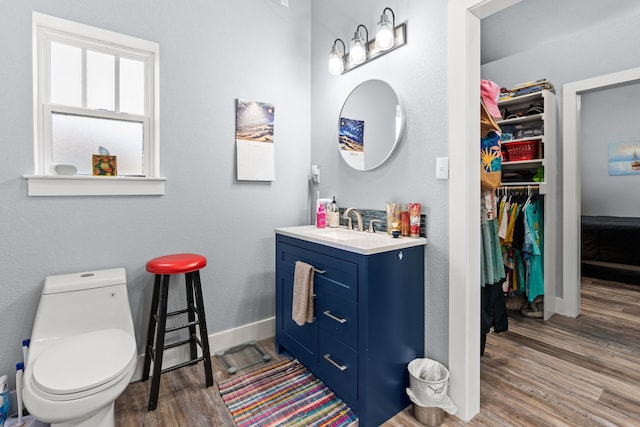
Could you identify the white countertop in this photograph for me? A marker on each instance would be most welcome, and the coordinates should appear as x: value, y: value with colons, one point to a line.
x: 361, y: 242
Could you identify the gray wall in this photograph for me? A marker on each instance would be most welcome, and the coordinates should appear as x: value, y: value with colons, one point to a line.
x: 609, y: 116
x: 601, y: 49
x: 417, y: 71
x: 210, y: 54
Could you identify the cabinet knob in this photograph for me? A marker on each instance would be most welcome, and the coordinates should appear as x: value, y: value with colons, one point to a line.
x: 400, y: 255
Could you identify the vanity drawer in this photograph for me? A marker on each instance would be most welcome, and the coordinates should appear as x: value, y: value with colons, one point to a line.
x: 338, y: 368
x: 333, y: 275
x: 338, y: 317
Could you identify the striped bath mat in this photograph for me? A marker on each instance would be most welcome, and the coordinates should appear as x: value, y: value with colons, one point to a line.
x: 284, y: 394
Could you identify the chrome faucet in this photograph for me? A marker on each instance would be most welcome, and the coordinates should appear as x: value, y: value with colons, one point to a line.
x: 358, y: 217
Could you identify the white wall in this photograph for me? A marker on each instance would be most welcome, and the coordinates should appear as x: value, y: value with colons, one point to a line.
x: 210, y: 54
x: 609, y: 116
x: 417, y: 72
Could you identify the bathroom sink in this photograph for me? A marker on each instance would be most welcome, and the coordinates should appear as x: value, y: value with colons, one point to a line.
x: 360, y: 242
x: 341, y: 234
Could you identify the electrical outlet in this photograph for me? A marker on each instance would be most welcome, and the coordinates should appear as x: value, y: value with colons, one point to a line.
x: 285, y: 3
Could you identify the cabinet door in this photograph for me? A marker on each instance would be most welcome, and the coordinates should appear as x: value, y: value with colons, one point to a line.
x: 334, y: 278
x: 300, y: 341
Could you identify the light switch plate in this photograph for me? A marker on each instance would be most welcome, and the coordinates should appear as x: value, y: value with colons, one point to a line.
x: 442, y: 168
x: 285, y: 3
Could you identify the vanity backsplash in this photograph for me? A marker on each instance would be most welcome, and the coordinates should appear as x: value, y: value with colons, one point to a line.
x: 369, y: 214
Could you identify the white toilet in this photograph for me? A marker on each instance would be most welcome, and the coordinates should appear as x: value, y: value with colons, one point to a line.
x: 83, y: 349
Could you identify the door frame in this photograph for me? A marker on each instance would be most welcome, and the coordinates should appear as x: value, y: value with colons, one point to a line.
x: 464, y: 199
x: 572, y: 185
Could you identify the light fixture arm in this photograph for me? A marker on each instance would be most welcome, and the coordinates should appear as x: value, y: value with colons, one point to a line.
x: 393, y: 16
x: 366, y: 40
x: 344, y: 48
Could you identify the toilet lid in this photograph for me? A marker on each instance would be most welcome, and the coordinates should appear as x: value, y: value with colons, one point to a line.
x: 84, y: 361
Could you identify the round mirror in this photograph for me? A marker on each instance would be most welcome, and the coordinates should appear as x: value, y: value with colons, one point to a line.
x: 370, y: 125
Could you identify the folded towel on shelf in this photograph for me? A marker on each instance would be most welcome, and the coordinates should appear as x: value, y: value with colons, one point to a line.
x: 302, y: 310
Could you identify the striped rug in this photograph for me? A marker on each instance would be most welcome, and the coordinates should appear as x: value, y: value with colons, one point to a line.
x: 284, y: 394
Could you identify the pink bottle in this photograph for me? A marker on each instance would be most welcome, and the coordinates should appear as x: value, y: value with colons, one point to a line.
x: 321, y: 217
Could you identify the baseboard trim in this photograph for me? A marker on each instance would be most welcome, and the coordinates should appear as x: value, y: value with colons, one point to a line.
x: 219, y: 341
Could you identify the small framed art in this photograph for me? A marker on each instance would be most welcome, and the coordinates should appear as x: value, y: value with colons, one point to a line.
x: 104, y: 165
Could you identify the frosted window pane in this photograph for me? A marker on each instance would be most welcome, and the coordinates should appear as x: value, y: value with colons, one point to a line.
x: 101, y: 81
x: 131, y: 86
x: 66, y: 75
x: 76, y: 138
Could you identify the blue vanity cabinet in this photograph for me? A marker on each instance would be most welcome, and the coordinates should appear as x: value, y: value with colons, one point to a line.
x: 368, y: 324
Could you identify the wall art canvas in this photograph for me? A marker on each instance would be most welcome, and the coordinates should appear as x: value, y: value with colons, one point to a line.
x: 351, y: 141
x: 624, y: 158
x: 255, y: 153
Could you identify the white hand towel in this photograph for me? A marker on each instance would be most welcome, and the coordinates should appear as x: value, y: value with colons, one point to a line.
x: 302, y: 310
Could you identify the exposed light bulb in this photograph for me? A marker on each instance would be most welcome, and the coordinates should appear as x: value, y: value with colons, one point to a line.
x: 384, y: 34
x: 358, y: 51
x: 336, y: 62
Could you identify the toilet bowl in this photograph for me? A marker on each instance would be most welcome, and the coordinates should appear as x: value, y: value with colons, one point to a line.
x: 83, y: 350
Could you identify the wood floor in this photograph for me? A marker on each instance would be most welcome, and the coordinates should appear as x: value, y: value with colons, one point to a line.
x: 563, y: 372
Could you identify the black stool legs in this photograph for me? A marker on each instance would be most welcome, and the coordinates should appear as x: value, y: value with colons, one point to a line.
x: 151, y: 329
x: 204, y: 336
x: 158, y: 328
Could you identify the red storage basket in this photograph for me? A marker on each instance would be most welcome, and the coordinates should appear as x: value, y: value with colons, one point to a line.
x: 522, y: 150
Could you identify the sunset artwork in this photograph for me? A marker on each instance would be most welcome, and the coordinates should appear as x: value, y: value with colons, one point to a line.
x: 351, y: 134
x: 624, y: 158
x: 351, y: 142
x: 254, y: 121
x: 254, y: 141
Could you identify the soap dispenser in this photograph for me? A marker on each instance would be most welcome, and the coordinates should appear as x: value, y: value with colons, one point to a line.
x: 334, y: 214
x: 321, y: 216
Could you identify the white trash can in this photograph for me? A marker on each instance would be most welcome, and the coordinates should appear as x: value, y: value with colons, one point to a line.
x: 428, y: 379
x: 428, y: 385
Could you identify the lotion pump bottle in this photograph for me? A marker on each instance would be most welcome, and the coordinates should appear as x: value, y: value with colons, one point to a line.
x: 334, y: 215
x: 321, y: 216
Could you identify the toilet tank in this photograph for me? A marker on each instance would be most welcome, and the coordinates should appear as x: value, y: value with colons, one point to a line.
x: 83, y: 302
x: 84, y: 281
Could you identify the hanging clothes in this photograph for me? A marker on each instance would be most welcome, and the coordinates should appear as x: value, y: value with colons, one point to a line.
x: 522, y: 248
x: 492, y: 272
x: 535, y: 243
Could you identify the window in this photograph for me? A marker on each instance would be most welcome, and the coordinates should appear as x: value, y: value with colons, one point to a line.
x: 96, y: 91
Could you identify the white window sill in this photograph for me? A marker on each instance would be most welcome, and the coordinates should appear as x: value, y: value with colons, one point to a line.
x: 76, y: 185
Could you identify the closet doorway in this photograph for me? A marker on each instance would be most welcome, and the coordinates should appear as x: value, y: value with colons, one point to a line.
x: 572, y: 93
x: 463, y: 90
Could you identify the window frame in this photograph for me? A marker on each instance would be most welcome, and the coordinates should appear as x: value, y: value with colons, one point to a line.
x: 44, y: 181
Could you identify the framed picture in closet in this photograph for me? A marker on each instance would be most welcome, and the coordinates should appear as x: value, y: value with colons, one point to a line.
x: 624, y: 158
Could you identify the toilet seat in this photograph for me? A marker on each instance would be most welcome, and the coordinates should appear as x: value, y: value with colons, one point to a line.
x: 81, y: 365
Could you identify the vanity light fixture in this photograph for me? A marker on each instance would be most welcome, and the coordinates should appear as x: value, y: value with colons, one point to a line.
x: 336, y: 58
x: 385, y: 29
x: 359, y: 47
x: 388, y: 38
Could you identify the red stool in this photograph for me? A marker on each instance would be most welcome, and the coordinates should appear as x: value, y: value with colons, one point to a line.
x: 164, y: 267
